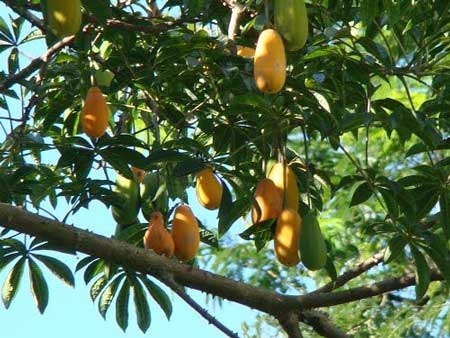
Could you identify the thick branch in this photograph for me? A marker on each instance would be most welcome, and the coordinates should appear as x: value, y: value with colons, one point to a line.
x: 35, y: 64
x: 353, y: 273
x: 322, y: 324
x: 289, y: 322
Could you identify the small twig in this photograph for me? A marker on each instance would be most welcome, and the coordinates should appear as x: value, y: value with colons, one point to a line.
x: 200, y: 310
x: 35, y: 64
x: 353, y: 273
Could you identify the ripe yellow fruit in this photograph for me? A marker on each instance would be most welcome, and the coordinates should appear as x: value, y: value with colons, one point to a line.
x: 157, y: 238
x: 64, y: 17
x: 95, y: 113
x: 209, y: 189
x: 286, y: 183
x: 270, y: 62
x: 185, y: 233
x: 245, y: 52
x: 269, y: 201
x: 286, y: 238
x: 139, y: 173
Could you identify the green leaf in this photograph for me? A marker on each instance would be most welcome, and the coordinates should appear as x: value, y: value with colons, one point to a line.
x: 231, y: 215
x: 396, y: 246
x: 108, y: 294
x: 225, y: 206
x: 187, y: 167
x: 85, y: 261
x: 141, y: 306
x: 93, y: 269
x: 331, y: 269
x: 58, y: 268
x: 12, y: 282
x: 362, y: 193
x: 422, y: 273
x: 122, y: 305
x: 444, y: 204
x: 97, y: 287
x: 158, y: 295
x: 38, y: 285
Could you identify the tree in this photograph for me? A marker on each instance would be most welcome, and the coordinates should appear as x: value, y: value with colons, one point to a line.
x: 363, y: 120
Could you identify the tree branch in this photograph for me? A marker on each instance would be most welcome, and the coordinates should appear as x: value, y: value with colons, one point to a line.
x: 322, y: 324
x: 147, y: 262
x: 200, y: 310
x: 35, y: 64
x: 353, y: 273
x: 289, y: 322
x: 25, y: 14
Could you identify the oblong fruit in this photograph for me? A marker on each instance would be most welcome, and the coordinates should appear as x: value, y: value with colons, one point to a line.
x: 64, y: 17
x: 95, y: 113
x: 125, y: 213
x: 313, y: 249
x: 245, y: 52
x: 269, y: 201
x: 208, y: 189
x: 286, y: 183
x: 185, y: 233
x: 286, y: 237
x: 291, y: 21
x: 157, y: 238
x: 270, y: 62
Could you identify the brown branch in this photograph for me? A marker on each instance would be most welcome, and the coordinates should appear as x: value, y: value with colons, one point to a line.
x: 200, y: 310
x: 315, y: 300
x: 25, y: 14
x: 146, y: 262
x: 35, y: 64
x: 289, y: 323
x: 353, y: 273
x: 322, y: 324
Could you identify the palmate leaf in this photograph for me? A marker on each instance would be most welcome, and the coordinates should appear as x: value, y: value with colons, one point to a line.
x: 58, y: 268
x: 39, y: 287
x: 422, y: 273
x: 12, y: 282
x: 97, y: 287
x: 108, y: 294
x: 159, y: 295
x: 141, y: 305
x: 122, y: 305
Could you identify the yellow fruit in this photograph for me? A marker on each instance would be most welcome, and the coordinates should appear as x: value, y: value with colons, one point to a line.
x: 139, y: 173
x: 157, y: 238
x: 269, y: 201
x: 185, y: 233
x: 64, y: 17
x: 287, y: 187
x: 270, y: 62
x: 287, y: 236
x: 208, y: 189
x: 95, y: 113
x: 245, y: 52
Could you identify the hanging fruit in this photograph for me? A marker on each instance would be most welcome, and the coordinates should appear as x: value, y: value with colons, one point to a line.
x: 286, y: 183
x: 209, y: 189
x: 313, y: 249
x: 270, y: 62
x: 185, y: 233
x: 268, y: 200
x: 95, y: 113
x: 286, y: 237
x: 245, y: 52
x: 128, y: 191
x: 157, y: 238
x: 291, y: 21
x: 64, y: 17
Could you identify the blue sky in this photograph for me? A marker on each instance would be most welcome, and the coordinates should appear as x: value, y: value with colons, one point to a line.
x: 70, y: 312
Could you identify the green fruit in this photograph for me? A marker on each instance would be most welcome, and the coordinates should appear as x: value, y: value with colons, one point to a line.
x: 313, y: 250
x: 125, y: 213
x: 291, y: 21
x: 64, y: 17
x: 154, y: 196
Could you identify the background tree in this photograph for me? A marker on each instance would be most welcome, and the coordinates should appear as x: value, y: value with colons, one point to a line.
x: 363, y: 120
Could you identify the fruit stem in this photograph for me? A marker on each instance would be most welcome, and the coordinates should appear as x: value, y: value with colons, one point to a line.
x: 267, y: 13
